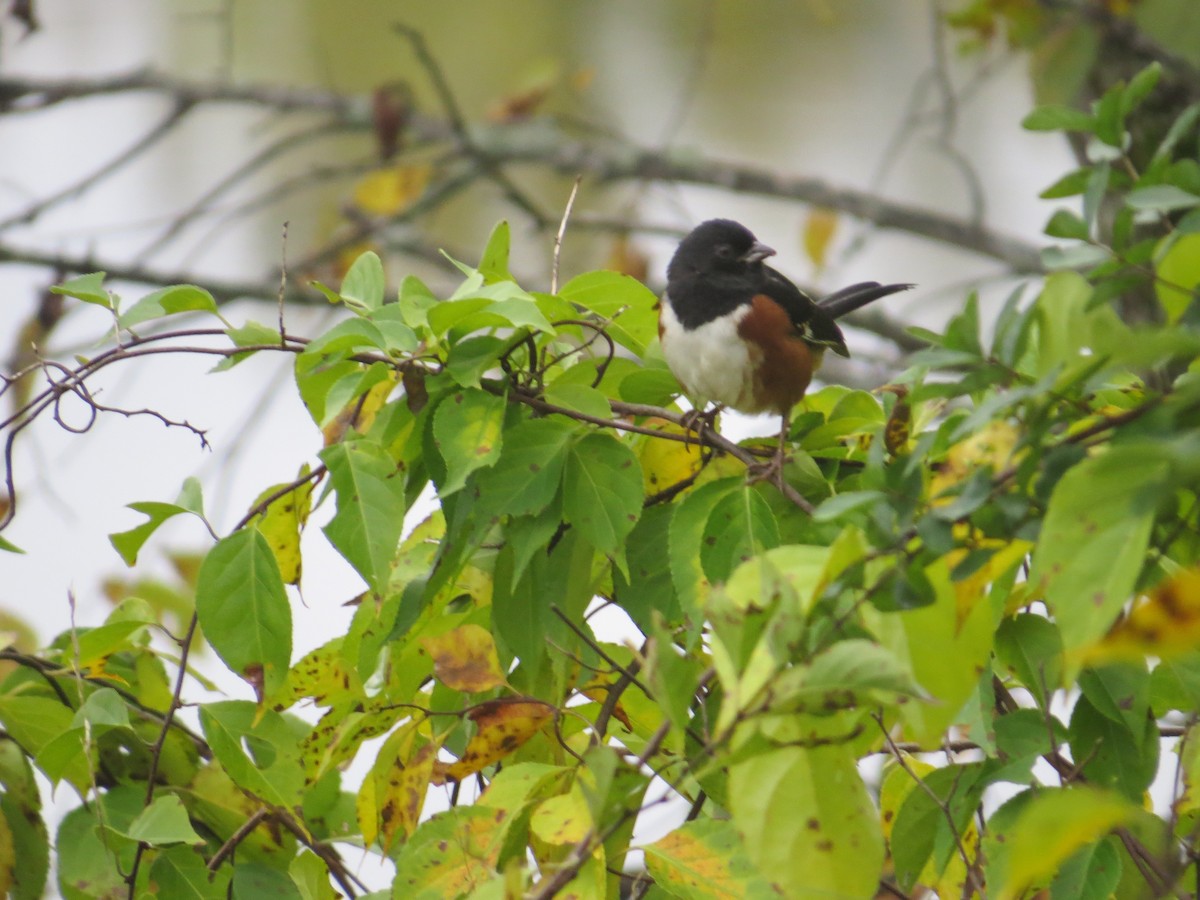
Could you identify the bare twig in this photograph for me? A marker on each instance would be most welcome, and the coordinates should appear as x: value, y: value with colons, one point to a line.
x: 157, y: 749
x: 562, y: 230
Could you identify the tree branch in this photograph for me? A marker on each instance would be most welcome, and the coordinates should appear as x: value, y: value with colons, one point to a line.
x: 502, y: 144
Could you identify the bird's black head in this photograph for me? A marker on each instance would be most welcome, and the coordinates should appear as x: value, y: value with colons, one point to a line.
x: 717, y: 246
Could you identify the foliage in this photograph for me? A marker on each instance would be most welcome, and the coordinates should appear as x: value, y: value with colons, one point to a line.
x: 994, y: 561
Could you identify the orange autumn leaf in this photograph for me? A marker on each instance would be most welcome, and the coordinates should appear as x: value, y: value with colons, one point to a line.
x: 464, y: 659
x: 502, y: 726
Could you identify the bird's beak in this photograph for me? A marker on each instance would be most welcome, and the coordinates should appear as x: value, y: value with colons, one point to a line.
x: 757, y: 253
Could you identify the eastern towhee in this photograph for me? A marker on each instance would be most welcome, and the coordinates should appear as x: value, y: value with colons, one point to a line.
x: 738, y: 333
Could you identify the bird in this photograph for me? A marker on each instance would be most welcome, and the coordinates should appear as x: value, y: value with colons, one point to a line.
x: 738, y: 333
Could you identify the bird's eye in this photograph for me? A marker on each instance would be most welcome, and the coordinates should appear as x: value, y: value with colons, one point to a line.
x: 724, y: 251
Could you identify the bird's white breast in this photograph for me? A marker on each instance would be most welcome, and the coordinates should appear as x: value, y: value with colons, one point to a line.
x: 711, y: 361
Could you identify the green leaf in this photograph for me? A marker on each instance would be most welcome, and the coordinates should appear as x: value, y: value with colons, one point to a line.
x: 88, y: 288
x: 178, y: 298
x: 1058, y: 118
x: 1094, y: 537
x: 1110, y: 754
x: 1175, y: 684
x: 366, y: 527
x: 129, y: 543
x: 687, y: 534
x: 468, y: 427
x: 1161, y: 198
x: 1023, y: 736
x: 1121, y: 692
x: 163, y: 822
x: 180, y: 873
x: 649, y: 588
x: 364, y: 285
x: 1074, y: 256
x: 102, y: 710
x: 275, y: 773
x: 1092, y: 873
x: 22, y: 808
x: 398, y: 336
x: 579, y: 398
x: 494, y: 263
x: 45, y: 729
x: 841, y: 504
x: 807, y: 822
x: 1052, y: 827
x: 705, y: 860
x: 921, y: 833
x: 1177, y: 275
x: 310, y: 874
x: 1070, y: 185
x: 946, y: 645
x: 88, y: 864
x: 1065, y: 224
x: 526, y: 478
x: 626, y: 301
x: 1139, y: 87
x: 252, y: 334
x: 254, y: 880
x: 602, y: 490
x: 470, y: 358
x: 740, y: 527
x: 244, y: 611
x: 1030, y: 647
x: 654, y: 386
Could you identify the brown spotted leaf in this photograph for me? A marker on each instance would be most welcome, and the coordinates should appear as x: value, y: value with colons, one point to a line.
x: 1164, y: 622
x: 502, y: 726
x: 705, y: 859
x: 464, y: 659
x: 282, y: 522
x: 402, y: 794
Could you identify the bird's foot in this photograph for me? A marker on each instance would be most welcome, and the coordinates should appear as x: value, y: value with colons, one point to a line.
x: 701, y: 422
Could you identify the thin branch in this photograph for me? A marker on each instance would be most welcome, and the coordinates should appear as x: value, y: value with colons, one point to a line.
x: 972, y: 876
x: 496, y: 145
x: 562, y: 230
x: 148, y: 140
x: 156, y: 751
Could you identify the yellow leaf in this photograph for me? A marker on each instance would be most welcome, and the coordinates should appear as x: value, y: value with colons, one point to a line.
x: 666, y: 463
x: 387, y: 192
x: 1164, y: 622
x: 403, y: 794
x: 991, y: 446
x: 564, y: 819
x: 971, y: 590
x: 464, y: 659
x: 502, y: 726
x: 818, y: 234
x: 360, y: 412
x: 282, y: 522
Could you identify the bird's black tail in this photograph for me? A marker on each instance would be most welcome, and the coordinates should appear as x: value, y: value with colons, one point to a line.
x: 856, y: 296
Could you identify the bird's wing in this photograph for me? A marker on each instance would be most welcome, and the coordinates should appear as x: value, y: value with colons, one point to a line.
x: 856, y: 296
x: 811, y: 322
